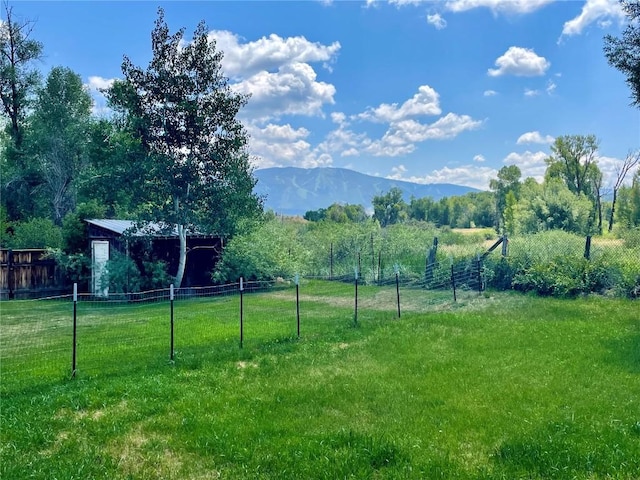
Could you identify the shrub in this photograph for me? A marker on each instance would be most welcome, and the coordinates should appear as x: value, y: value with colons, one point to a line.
x: 75, y: 267
x: 552, y: 263
x: 631, y: 237
x: 561, y: 277
x: 75, y: 229
x: 154, y: 275
x: 267, y: 252
x: 35, y: 233
x: 124, y: 275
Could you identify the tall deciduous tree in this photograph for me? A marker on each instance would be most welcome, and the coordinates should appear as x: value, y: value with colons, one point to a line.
x: 389, y: 208
x: 18, y: 78
x: 628, y: 212
x: 197, y: 173
x: 421, y: 209
x: 508, y: 181
x: 58, y: 137
x: 113, y: 175
x: 629, y: 163
x: 624, y: 53
x: 552, y: 206
x: 573, y: 160
x: 18, y: 81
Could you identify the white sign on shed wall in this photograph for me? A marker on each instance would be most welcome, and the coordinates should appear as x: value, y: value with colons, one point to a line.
x: 99, y: 274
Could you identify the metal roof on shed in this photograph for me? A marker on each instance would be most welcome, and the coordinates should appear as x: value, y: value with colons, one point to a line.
x: 121, y: 226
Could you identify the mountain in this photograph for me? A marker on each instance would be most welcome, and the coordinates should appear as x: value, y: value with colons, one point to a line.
x: 294, y: 191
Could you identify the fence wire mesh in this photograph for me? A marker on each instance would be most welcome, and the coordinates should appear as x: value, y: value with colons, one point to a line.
x: 148, y: 330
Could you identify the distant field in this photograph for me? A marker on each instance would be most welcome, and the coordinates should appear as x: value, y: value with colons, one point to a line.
x: 498, y: 386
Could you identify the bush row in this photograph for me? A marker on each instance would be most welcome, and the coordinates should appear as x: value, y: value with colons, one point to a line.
x: 548, y: 263
x: 553, y: 263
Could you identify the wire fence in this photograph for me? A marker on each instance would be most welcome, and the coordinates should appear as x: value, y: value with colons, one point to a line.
x: 49, y: 340
x: 550, y: 262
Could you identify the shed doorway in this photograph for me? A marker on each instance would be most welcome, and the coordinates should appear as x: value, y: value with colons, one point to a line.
x: 99, y: 274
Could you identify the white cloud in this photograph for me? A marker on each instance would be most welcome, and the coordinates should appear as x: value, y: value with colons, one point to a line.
x: 401, y: 137
x: 292, y: 90
x: 449, y: 126
x: 351, y: 152
x: 425, y: 102
x: 279, y: 145
x: 276, y: 72
x: 470, y: 175
x: 344, y: 142
x: 380, y: 148
x: 531, y: 164
x: 498, y: 6
x: 437, y: 21
x: 601, y: 11
x: 609, y: 167
x: 551, y: 87
x: 520, y: 61
x: 338, y: 117
x: 531, y: 93
x: 479, y: 158
x: 490, y: 93
x: 446, y: 127
x: 100, y: 83
x: 397, y: 172
x: 268, y: 53
x: 94, y: 86
x: 402, y: 3
x: 534, y: 137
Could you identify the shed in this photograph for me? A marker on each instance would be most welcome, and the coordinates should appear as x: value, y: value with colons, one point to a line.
x: 151, y: 242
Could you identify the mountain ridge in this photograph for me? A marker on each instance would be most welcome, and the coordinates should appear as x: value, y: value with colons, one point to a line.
x: 294, y: 190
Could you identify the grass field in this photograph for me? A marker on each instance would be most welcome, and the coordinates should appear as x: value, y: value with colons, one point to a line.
x: 499, y: 386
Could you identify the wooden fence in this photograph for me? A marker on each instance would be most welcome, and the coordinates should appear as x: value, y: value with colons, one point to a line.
x: 28, y: 273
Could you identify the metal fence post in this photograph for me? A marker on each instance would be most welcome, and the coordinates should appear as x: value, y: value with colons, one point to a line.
x: 297, y: 281
x: 396, y: 267
x: 431, y: 262
x: 479, y: 276
x: 331, y: 261
x: 75, y: 329
x: 453, y: 282
x: 355, y: 317
x: 241, y: 312
x: 171, y: 297
x: 10, y: 274
x: 587, y: 248
x: 373, y: 258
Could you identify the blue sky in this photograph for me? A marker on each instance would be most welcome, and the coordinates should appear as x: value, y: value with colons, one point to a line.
x: 446, y: 91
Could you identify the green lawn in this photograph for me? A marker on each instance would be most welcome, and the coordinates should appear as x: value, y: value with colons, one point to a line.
x: 497, y: 386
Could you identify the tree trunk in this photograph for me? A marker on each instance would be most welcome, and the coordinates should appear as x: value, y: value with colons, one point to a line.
x: 613, y: 209
x: 182, y: 236
x: 599, y: 208
x: 182, y: 263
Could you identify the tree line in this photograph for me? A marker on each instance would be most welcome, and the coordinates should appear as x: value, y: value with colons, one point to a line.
x: 571, y: 197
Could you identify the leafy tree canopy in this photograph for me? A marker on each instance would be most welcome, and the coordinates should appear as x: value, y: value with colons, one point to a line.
x: 196, y: 173
x: 624, y: 53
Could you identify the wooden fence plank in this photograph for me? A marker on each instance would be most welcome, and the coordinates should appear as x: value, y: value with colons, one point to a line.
x: 28, y: 273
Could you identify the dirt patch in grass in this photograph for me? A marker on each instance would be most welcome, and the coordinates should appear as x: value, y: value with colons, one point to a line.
x: 241, y: 365
x: 143, y: 455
